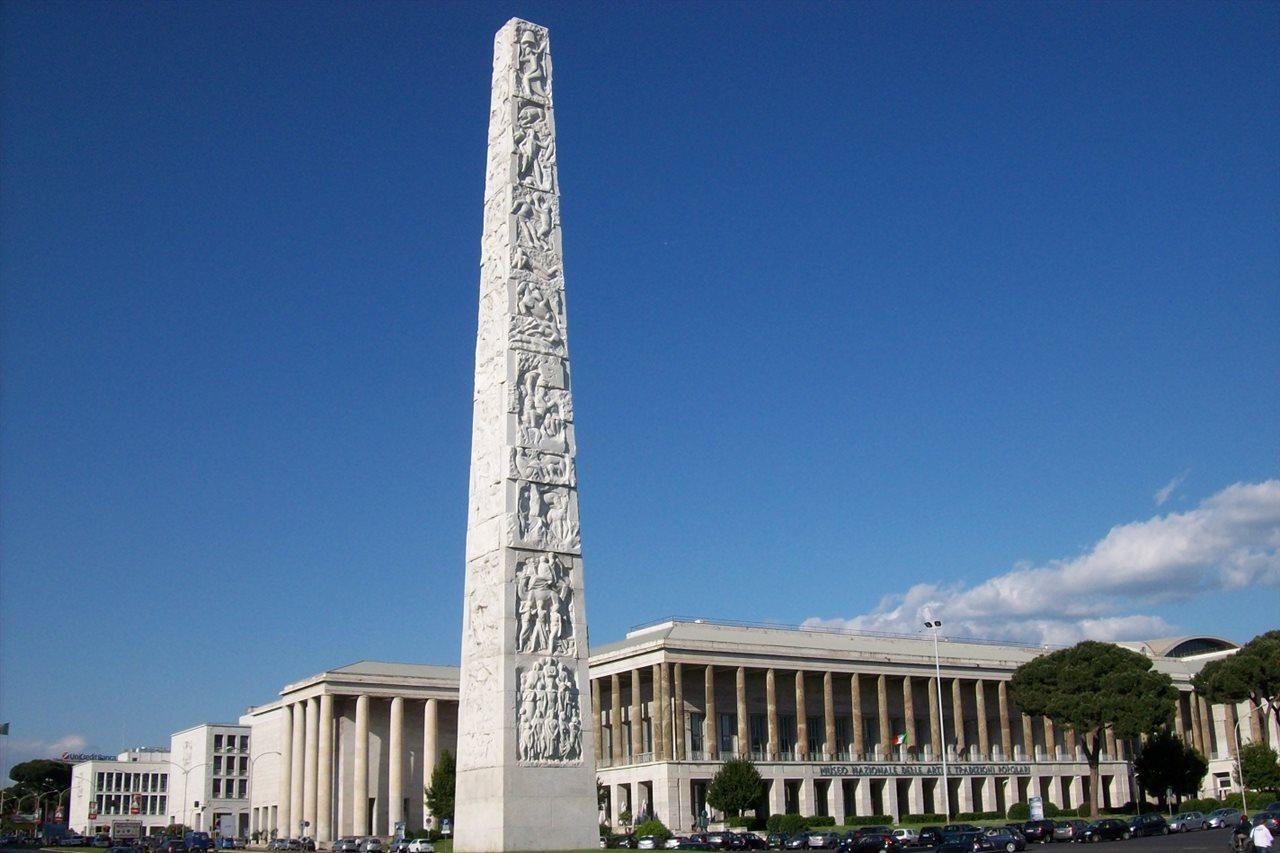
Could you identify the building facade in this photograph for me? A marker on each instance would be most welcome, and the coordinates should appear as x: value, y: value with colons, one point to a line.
x: 210, y: 790
x: 837, y: 723
x: 350, y: 751
x: 132, y: 788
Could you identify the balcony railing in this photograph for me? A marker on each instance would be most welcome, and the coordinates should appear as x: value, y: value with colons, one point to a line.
x: 902, y: 755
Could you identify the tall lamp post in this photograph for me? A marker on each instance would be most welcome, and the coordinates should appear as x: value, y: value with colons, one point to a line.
x: 186, y: 799
x: 253, y: 762
x: 933, y: 625
x: 1244, y: 789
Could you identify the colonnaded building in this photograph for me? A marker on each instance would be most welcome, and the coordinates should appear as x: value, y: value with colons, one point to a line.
x: 350, y: 750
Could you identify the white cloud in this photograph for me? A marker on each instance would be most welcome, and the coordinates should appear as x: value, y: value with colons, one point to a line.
x: 1163, y: 494
x: 1230, y: 541
x: 15, y: 750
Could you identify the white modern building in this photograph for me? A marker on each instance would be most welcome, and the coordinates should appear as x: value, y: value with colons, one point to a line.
x: 817, y: 711
x: 210, y: 772
x: 132, y: 788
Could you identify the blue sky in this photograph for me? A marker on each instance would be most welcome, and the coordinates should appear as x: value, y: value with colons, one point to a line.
x: 872, y: 307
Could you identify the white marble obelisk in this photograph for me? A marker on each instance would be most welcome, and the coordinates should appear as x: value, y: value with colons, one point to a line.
x: 526, y: 771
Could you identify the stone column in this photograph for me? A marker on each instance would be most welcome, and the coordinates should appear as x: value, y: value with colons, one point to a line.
x: 668, y: 735
x: 1069, y: 736
x: 711, y: 729
x: 909, y: 711
x: 802, y: 719
x: 681, y: 743
x: 744, y: 740
x: 1179, y: 726
x: 984, y: 737
x: 310, y: 765
x: 828, y: 715
x: 615, y: 718
x: 882, y: 705
x: 395, y: 764
x: 637, y: 717
x: 1050, y: 742
x: 283, y: 817
x: 1229, y: 724
x: 1111, y: 743
x: 1002, y: 703
x: 657, y: 716
x: 297, y: 787
x: 957, y: 715
x: 1206, y: 724
x: 430, y: 740
x: 771, y: 708
x: 1197, y: 739
x: 1028, y: 737
x: 935, y: 721
x: 360, y: 784
x: 598, y: 705
x: 1255, y: 725
x: 324, y: 771
x: 855, y: 696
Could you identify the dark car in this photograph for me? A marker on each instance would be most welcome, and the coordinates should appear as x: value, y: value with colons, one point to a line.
x: 1150, y: 823
x: 751, y: 841
x: 172, y: 845
x: 624, y: 842
x: 776, y: 840
x: 872, y: 841
x: 1003, y: 838
x: 1038, y: 831
x: 1109, y: 829
x: 693, y: 842
x: 799, y: 841
x: 1270, y: 818
x: 930, y: 836
x: 965, y: 842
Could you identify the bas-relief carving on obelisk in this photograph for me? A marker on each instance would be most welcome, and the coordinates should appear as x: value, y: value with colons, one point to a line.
x: 525, y: 775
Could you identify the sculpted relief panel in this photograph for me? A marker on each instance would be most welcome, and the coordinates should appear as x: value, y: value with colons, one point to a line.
x: 544, y: 606
x: 538, y: 321
x: 548, y: 715
x: 546, y: 517
x: 535, y: 145
x: 527, y: 464
x: 533, y: 64
x: 541, y: 403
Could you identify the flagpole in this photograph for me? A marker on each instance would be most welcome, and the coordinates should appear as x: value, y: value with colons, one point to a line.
x: 934, y: 625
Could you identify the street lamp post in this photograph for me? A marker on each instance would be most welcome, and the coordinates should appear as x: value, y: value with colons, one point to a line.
x: 933, y: 625
x: 253, y: 763
x: 1244, y: 789
x: 185, y: 798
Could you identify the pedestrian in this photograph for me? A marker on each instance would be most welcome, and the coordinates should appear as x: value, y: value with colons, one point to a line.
x: 1240, y: 835
x: 1261, y: 838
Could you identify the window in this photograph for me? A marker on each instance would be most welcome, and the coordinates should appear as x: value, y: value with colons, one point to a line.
x: 101, y: 780
x: 787, y: 732
x: 164, y: 805
x: 164, y: 783
x: 217, y: 765
x: 217, y: 788
x: 243, y: 791
x: 843, y: 726
x: 244, y: 767
x: 759, y: 725
x: 244, y: 743
x: 728, y: 729
x: 697, y: 725
x: 816, y: 734
x: 217, y: 743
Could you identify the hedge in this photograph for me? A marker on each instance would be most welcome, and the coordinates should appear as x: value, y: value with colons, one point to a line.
x: 820, y: 820
x: 654, y: 827
x: 965, y: 816
x: 869, y: 820
x: 745, y: 822
x: 786, y: 823
x: 927, y: 817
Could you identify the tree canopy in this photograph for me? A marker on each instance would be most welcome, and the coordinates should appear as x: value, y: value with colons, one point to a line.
x: 1261, y: 767
x: 1093, y: 686
x: 42, y: 774
x: 735, y: 787
x: 1250, y: 675
x: 439, y: 794
x: 1166, y: 763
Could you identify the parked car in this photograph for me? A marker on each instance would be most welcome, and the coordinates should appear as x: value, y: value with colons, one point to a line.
x: 172, y: 845
x: 1187, y: 821
x: 371, y: 845
x: 906, y: 837
x: 799, y: 841
x: 1151, y: 823
x: 1223, y: 818
x: 823, y: 841
x: 1003, y: 838
x: 103, y: 841
x: 964, y: 842
x: 1038, y: 831
x: 421, y: 845
x: 647, y: 842
x: 347, y: 844
x: 1108, y: 829
x: 72, y: 841
x: 874, y: 829
x: 930, y: 836
x: 868, y: 842
x: 751, y: 841
x: 624, y: 841
x: 1270, y: 818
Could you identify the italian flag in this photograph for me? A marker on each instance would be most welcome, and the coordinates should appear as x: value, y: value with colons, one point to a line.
x: 900, y: 740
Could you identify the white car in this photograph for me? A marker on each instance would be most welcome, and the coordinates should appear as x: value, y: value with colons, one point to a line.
x: 371, y: 845
x: 907, y: 837
x: 421, y: 845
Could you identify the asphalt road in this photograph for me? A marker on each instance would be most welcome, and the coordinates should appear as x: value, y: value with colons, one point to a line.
x: 1204, y: 841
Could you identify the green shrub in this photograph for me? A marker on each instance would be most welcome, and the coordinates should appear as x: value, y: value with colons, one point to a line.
x: 788, y: 824
x: 927, y: 817
x: 1206, y: 805
x: 653, y: 827
x: 745, y: 822
x: 820, y: 820
x: 964, y: 817
x: 1019, y: 811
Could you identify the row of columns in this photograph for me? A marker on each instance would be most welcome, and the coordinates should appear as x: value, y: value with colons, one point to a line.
x: 668, y: 719
x: 307, y: 764
x: 1197, y: 728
